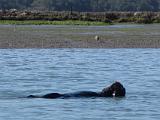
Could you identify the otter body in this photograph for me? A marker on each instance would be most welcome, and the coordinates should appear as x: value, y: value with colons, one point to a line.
x: 115, y: 90
x: 68, y: 95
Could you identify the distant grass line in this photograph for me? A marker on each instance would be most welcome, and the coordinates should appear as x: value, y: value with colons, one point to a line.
x: 77, y: 18
x: 45, y: 22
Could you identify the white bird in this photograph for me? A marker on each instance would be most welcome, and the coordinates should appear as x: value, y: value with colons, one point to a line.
x: 97, y: 38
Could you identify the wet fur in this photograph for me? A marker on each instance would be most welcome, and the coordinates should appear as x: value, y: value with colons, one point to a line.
x: 115, y: 90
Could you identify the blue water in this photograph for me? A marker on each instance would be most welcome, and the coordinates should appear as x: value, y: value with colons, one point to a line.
x: 39, y: 71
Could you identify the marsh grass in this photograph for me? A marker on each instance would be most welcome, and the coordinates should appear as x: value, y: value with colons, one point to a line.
x: 77, y: 18
x: 44, y: 22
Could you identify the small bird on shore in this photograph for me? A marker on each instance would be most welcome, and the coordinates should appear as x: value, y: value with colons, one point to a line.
x: 97, y: 37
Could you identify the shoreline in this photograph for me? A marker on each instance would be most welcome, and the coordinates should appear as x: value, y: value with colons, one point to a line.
x: 113, y: 36
x: 44, y: 22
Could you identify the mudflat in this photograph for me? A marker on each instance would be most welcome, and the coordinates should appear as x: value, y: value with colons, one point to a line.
x: 68, y: 36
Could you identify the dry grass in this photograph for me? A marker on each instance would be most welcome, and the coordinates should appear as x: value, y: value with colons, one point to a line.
x: 106, y: 17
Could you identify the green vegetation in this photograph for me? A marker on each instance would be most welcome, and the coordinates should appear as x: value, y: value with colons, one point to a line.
x: 78, y: 18
x: 43, y: 22
x: 79, y: 12
x: 82, y: 5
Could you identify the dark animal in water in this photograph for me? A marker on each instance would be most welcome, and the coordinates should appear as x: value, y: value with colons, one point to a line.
x: 115, y: 90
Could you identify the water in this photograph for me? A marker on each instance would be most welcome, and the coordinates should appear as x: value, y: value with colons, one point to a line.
x: 39, y: 71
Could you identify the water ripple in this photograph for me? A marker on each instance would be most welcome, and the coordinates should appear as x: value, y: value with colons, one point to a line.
x: 40, y: 71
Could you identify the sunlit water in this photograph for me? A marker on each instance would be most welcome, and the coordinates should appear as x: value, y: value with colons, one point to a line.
x: 39, y: 71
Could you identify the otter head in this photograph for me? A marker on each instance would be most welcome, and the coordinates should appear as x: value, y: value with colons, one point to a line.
x: 115, y: 90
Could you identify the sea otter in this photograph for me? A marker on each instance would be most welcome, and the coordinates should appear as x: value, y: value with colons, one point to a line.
x: 115, y: 90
